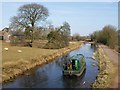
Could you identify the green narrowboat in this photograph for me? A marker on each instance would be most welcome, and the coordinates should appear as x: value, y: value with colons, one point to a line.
x: 75, y: 65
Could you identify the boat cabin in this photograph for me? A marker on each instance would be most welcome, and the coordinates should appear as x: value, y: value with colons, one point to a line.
x: 74, y: 65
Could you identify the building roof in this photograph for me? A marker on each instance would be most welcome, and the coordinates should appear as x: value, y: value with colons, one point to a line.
x: 6, y: 29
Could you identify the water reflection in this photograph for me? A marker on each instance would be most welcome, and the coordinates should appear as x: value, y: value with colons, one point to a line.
x: 93, y: 46
x: 33, y: 79
x: 73, y: 81
x: 50, y: 75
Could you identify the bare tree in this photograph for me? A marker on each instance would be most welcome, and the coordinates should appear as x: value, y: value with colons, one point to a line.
x: 28, y: 16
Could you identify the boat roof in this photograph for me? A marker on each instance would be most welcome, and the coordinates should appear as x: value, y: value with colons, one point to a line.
x: 77, y: 56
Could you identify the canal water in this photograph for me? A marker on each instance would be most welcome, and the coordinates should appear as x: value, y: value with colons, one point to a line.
x: 50, y: 75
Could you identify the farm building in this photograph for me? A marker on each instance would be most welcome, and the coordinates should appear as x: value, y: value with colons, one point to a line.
x: 5, y: 34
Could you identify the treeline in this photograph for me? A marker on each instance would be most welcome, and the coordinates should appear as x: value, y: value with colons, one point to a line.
x: 77, y: 37
x: 57, y: 37
x: 107, y: 36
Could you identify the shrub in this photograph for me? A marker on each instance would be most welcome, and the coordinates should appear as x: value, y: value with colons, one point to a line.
x: 56, y: 40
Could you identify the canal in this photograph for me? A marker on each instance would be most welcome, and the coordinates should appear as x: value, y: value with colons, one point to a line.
x: 50, y: 75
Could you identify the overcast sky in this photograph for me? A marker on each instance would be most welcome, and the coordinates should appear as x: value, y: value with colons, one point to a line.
x: 83, y: 17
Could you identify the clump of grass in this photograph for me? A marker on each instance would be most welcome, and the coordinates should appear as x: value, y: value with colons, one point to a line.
x: 12, y: 69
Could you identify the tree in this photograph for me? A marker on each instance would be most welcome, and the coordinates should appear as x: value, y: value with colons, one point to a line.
x: 96, y: 36
x: 108, y: 36
x: 65, y: 32
x: 65, y: 28
x: 76, y: 36
x: 59, y: 37
x: 55, y: 40
x: 28, y: 17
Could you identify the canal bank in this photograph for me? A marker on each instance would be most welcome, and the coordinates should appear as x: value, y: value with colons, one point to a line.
x: 107, y: 70
x: 50, y: 75
x: 12, y: 70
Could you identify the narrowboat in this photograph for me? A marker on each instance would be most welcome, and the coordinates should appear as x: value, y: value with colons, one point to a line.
x: 75, y: 65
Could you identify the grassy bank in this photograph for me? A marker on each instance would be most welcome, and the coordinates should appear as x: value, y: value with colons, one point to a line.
x: 15, y: 64
x: 106, y: 70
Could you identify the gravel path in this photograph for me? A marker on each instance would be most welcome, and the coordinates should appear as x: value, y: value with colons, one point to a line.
x: 115, y: 58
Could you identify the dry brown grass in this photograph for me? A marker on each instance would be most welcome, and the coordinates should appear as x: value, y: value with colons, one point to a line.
x: 15, y: 63
x: 12, y: 54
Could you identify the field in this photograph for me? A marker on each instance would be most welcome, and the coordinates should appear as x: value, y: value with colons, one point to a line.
x: 15, y: 63
x: 12, y: 55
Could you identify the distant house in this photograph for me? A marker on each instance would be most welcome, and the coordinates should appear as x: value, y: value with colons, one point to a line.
x: 5, y: 34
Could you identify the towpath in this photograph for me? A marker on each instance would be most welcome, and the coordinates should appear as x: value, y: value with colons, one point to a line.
x: 114, y: 56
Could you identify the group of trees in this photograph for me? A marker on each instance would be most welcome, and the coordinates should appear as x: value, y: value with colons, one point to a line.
x: 77, y: 37
x: 27, y: 20
x: 59, y: 37
x: 108, y: 36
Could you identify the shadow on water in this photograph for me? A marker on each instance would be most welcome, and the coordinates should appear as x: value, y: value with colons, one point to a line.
x: 50, y: 75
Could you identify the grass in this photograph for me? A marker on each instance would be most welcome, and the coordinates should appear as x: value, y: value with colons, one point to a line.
x: 15, y: 63
x: 27, y: 53
x: 107, y: 71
